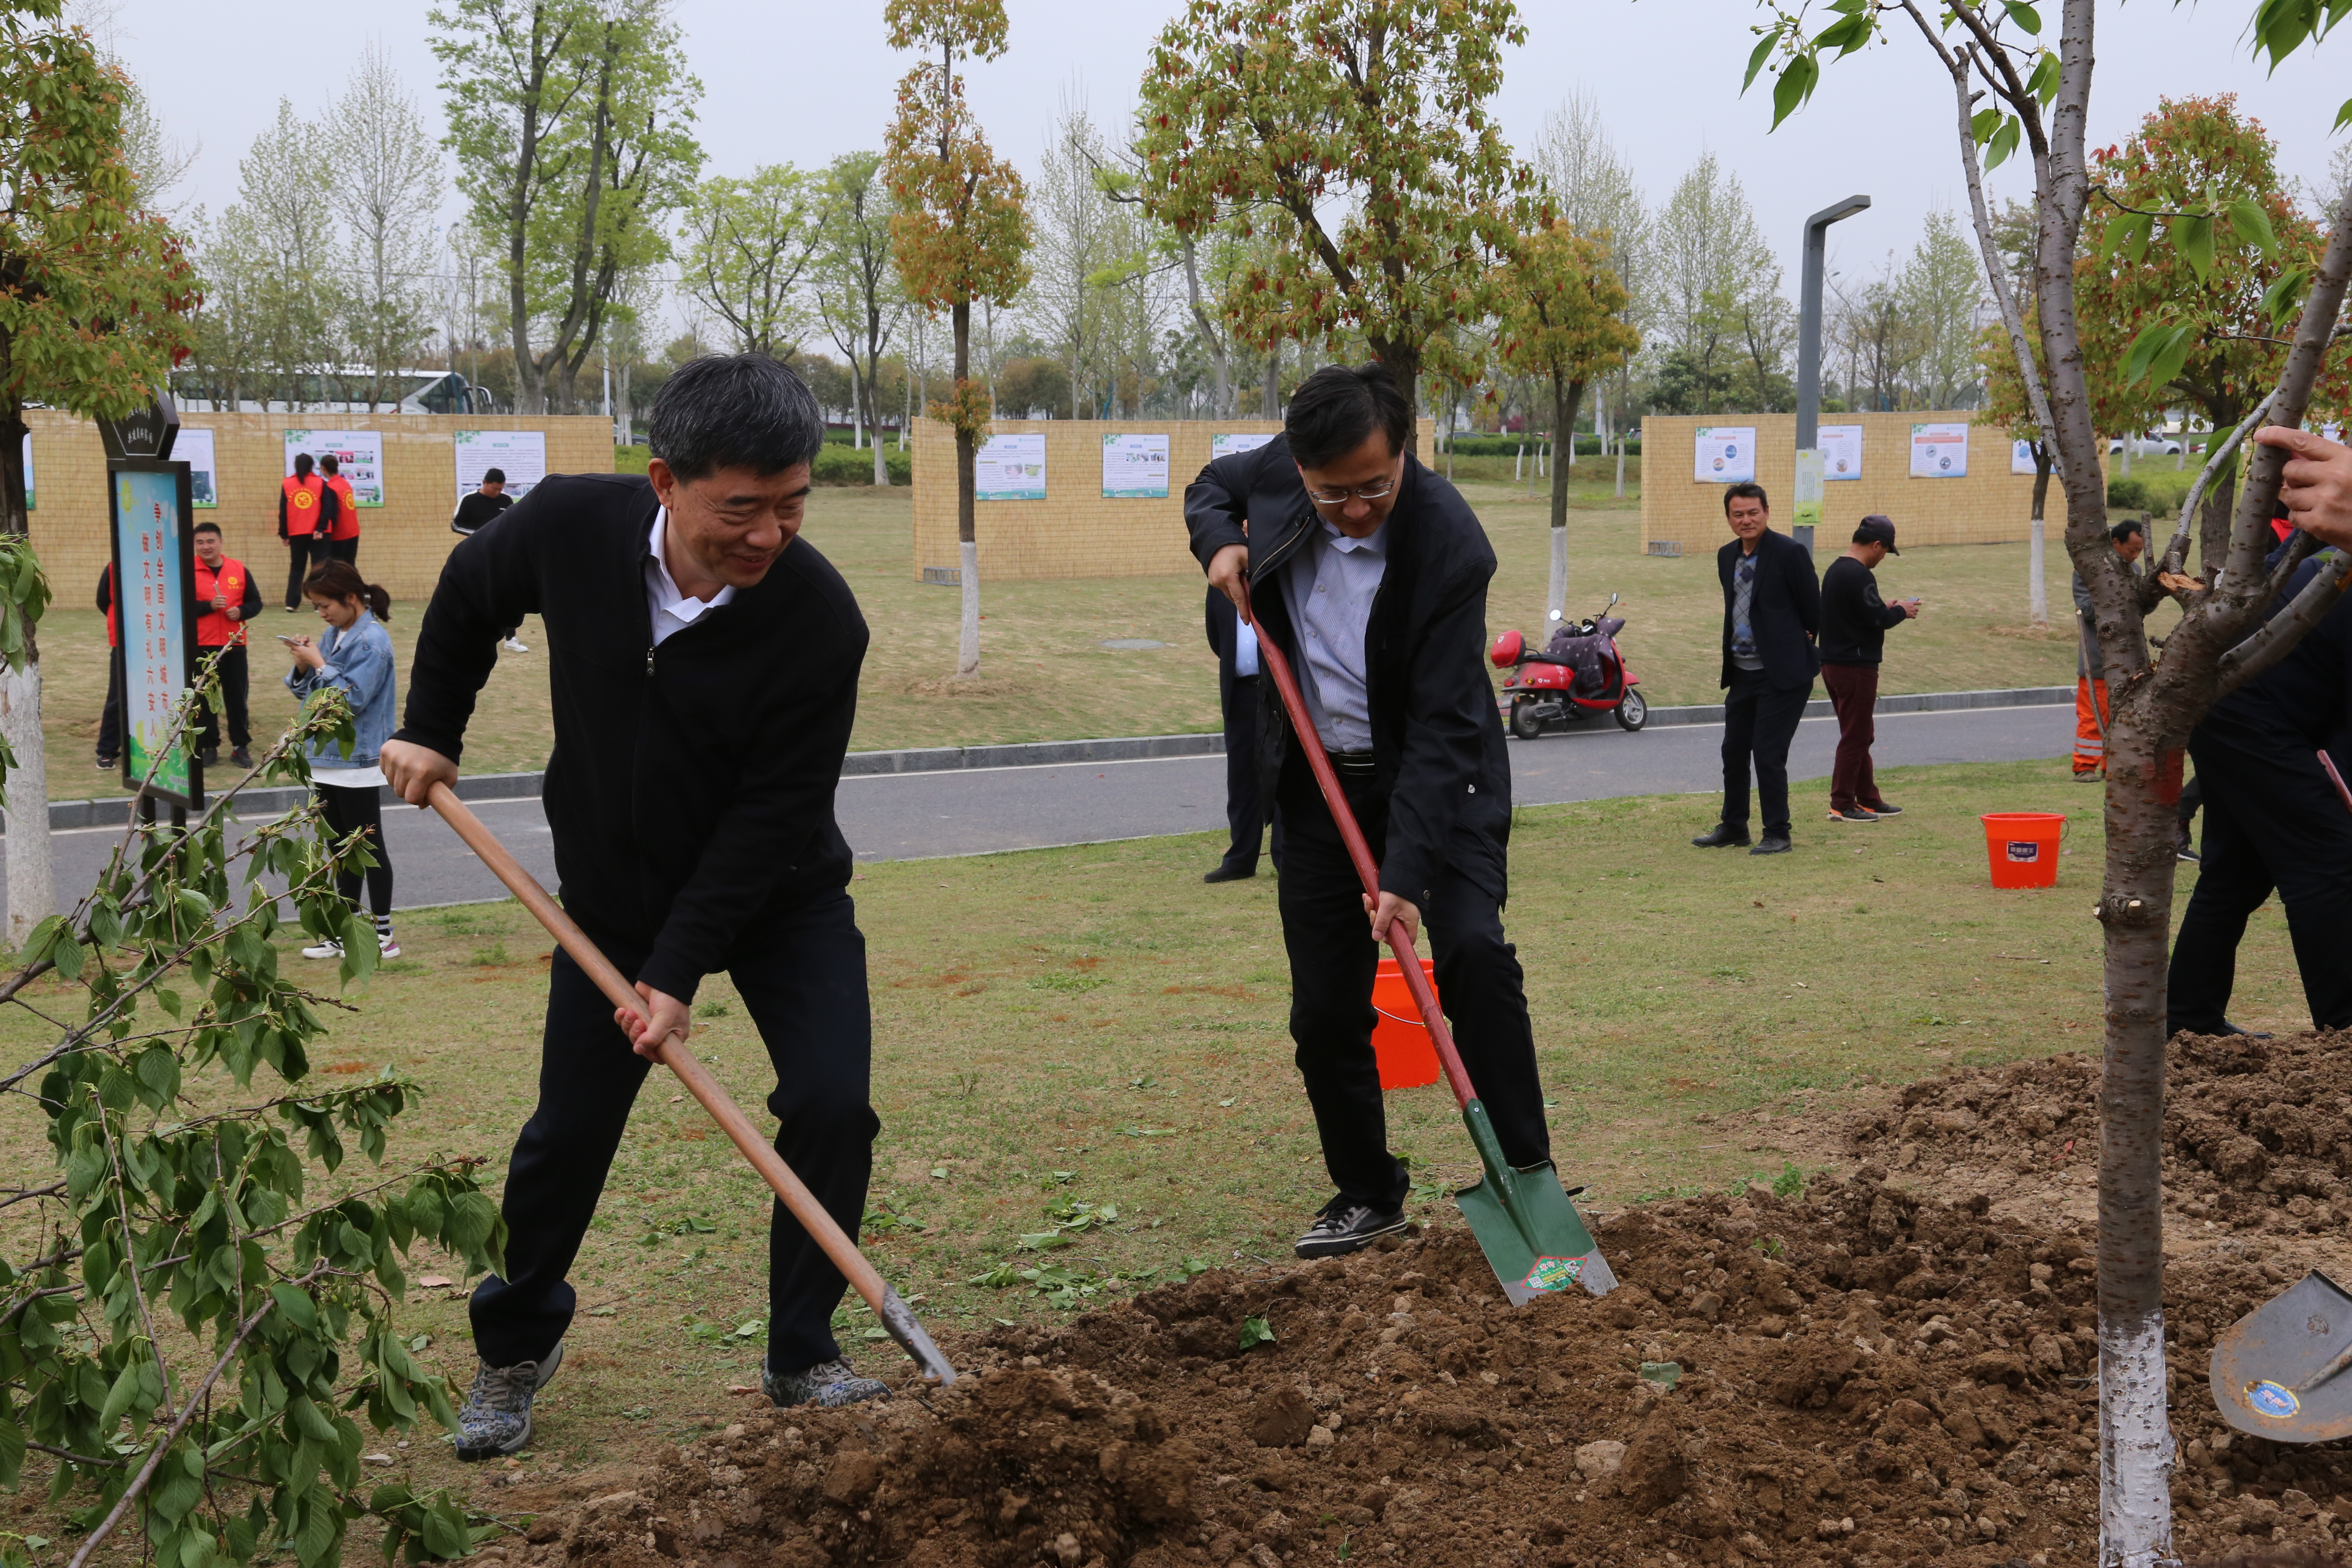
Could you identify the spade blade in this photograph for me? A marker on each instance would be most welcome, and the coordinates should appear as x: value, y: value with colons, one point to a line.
x: 2278, y: 1372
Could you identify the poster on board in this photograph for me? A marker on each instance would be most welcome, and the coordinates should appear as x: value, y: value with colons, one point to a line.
x: 1008, y: 468
x: 28, y: 471
x: 1135, y: 468
x: 358, y: 453
x: 519, y: 455
x: 2020, y: 458
x: 154, y: 560
x: 1226, y: 444
x: 1939, y: 451
x: 1841, y: 447
x: 1725, y: 455
x: 195, y: 447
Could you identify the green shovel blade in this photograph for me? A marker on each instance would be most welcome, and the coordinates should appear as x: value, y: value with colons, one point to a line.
x: 1533, y: 1237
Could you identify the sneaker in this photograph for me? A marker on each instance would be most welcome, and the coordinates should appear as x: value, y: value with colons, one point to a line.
x: 241, y: 757
x: 496, y: 1418
x: 1853, y: 813
x: 1881, y: 808
x: 1231, y: 873
x: 209, y: 756
x: 391, y: 946
x: 330, y: 948
x: 514, y: 645
x: 1343, y: 1227
x: 108, y: 764
x: 1720, y: 836
x: 829, y: 1384
x: 1774, y: 844
x: 2090, y: 777
x: 2184, y: 848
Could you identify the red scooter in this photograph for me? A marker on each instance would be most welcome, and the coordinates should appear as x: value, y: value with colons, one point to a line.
x: 1578, y: 673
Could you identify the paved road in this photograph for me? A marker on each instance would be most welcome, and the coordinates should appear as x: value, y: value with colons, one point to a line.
x: 903, y: 817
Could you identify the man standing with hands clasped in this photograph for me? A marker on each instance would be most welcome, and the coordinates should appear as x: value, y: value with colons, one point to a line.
x: 1370, y: 573
x: 1854, y: 639
x: 703, y: 668
x: 1771, y: 612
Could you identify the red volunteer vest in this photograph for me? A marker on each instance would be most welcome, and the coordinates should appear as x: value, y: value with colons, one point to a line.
x: 303, y: 506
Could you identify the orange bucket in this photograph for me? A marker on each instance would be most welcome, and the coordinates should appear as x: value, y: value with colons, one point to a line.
x: 1400, y: 1039
x: 2023, y: 847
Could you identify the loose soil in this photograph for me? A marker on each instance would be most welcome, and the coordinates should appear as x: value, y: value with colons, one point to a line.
x: 1872, y: 1372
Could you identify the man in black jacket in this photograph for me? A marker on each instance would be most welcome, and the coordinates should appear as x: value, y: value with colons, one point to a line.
x: 1370, y: 573
x: 704, y: 676
x: 1771, y: 612
x: 1854, y: 621
x: 1235, y: 647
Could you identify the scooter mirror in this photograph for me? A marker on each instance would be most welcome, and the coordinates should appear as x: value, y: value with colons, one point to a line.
x: 1552, y: 615
x: 1611, y: 605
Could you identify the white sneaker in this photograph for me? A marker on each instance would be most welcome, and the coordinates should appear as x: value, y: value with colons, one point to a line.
x: 514, y: 645
x: 330, y: 948
x: 391, y: 946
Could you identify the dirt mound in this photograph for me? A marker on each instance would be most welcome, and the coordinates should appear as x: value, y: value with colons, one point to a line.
x: 2255, y: 1132
x: 1855, y: 1378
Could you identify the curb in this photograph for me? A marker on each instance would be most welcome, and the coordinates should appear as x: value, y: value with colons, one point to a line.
x: 65, y: 815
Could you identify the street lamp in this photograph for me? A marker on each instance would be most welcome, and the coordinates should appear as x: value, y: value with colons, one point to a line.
x: 1808, y: 485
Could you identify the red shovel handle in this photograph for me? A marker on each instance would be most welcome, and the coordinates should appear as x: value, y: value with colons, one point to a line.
x: 1311, y: 743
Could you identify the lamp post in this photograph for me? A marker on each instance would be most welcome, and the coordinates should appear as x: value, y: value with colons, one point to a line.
x: 1808, y: 487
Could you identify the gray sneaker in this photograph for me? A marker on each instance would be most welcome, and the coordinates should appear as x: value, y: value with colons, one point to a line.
x: 496, y: 1418
x: 828, y: 1384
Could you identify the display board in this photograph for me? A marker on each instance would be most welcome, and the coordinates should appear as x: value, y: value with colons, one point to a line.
x: 1226, y: 444
x: 195, y: 447
x: 1841, y: 452
x: 359, y: 453
x: 1135, y: 468
x: 1008, y: 468
x: 28, y: 471
x: 2020, y: 458
x: 519, y: 455
x: 154, y: 564
x: 1726, y: 455
x: 1939, y: 451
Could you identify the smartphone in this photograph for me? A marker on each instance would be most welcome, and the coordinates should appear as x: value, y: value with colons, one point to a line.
x: 289, y: 642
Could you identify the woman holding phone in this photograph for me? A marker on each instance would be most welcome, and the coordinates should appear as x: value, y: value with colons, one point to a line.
x: 354, y: 654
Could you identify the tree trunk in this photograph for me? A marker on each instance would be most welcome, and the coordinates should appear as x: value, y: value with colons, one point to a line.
x: 1565, y: 396
x: 967, y: 542
x: 1273, y: 409
x: 2214, y: 517
x: 24, y: 800
x: 873, y: 427
x: 2037, y: 590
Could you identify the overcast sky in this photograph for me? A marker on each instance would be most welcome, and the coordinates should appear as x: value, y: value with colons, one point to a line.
x: 802, y: 82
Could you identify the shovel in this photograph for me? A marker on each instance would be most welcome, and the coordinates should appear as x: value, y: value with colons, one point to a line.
x: 2277, y: 1372
x: 1534, y: 1239
x: 797, y: 1199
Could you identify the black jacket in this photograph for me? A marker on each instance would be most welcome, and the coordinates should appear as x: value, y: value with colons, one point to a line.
x: 1853, y: 618
x: 691, y: 786
x: 1437, y: 736
x: 1784, y: 611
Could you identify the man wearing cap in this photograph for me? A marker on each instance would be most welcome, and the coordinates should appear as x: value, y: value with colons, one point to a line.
x: 1854, y: 639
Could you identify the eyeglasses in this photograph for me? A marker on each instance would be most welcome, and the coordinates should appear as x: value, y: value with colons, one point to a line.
x: 1376, y: 490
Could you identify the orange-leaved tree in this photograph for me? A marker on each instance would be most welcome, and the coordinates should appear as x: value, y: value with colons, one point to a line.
x: 960, y: 232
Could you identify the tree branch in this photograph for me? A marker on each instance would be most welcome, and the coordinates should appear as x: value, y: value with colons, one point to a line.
x: 2216, y: 459
x: 2282, y: 631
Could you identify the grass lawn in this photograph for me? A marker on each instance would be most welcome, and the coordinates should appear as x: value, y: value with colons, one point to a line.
x: 1094, y: 1026
x: 1047, y: 675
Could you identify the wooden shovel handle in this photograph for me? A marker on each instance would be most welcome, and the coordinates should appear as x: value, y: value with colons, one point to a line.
x: 674, y: 1055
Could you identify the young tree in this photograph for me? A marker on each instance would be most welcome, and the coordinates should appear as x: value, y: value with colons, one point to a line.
x: 1717, y: 301
x: 290, y: 254
x: 855, y: 293
x: 1071, y: 298
x: 2039, y: 98
x: 1592, y: 186
x: 1357, y: 131
x: 95, y: 295
x: 748, y: 244
x: 959, y: 232
x: 384, y: 181
x: 1562, y: 310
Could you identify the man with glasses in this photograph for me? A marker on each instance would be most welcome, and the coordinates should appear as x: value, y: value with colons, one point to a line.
x: 1370, y: 573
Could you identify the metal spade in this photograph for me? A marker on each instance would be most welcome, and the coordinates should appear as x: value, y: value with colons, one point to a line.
x: 2277, y: 1373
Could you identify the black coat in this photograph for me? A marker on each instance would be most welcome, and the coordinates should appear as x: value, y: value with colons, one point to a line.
x: 691, y: 787
x: 1785, y: 610
x: 1437, y: 737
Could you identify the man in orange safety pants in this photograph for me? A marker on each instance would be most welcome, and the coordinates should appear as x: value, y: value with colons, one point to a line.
x: 2130, y: 537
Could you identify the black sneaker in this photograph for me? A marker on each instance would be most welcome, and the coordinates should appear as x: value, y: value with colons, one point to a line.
x: 1722, y: 836
x: 1880, y: 808
x: 241, y: 757
x: 2183, y: 848
x: 1774, y: 844
x: 1231, y: 873
x: 1344, y: 1226
x: 1853, y: 813
x: 829, y: 1384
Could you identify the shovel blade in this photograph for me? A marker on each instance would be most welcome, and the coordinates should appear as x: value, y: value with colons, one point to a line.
x: 1533, y: 1237
x: 2261, y: 1365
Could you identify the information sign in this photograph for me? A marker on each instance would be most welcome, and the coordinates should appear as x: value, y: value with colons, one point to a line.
x: 154, y: 568
x: 358, y: 453
x: 1008, y: 468
x: 1135, y: 468
x: 195, y: 447
x: 519, y: 455
x: 1227, y: 443
x: 1939, y: 451
x: 1841, y: 452
x: 1727, y: 454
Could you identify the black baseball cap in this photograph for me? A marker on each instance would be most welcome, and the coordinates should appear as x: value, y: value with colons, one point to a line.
x: 1876, y: 530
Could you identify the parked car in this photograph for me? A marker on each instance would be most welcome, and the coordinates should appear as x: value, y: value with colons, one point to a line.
x: 2147, y: 447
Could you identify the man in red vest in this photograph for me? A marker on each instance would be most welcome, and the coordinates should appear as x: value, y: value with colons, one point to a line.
x: 230, y: 598
x: 342, y: 537
x: 306, y: 511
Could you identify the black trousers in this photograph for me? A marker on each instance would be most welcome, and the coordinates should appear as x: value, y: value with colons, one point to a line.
x: 110, y: 721
x: 350, y: 811
x: 301, y: 555
x: 1759, y: 719
x: 802, y: 979
x: 1332, y: 959
x: 343, y: 550
x: 1245, y: 811
x: 2272, y: 822
x: 232, y: 690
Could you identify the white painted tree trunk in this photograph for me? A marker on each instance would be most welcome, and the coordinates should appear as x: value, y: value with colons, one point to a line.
x: 2037, y: 588
x: 967, y: 640
x: 32, y: 884
x: 1518, y: 461
x: 2135, y: 1446
x: 1620, y: 465
x: 1556, y: 601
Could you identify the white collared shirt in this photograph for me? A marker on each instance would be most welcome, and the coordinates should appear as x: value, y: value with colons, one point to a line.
x: 1329, y: 585
x: 672, y: 611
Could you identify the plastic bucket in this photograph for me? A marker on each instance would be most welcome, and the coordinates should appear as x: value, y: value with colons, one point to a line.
x: 2023, y: 847
x: 1400, y: 1039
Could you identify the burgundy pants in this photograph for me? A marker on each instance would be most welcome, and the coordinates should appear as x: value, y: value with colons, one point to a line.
x: 1854, y: 692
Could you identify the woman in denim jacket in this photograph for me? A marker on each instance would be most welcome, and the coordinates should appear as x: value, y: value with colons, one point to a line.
x: 354, y: 654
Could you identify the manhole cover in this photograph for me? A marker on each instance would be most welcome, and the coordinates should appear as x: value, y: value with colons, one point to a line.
x: 1135, y: 644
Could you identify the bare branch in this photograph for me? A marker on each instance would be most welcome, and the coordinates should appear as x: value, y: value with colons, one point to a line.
x: 2282, y: 631
x: 2216, y: 459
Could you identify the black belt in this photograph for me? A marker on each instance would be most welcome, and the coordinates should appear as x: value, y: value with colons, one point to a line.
x: 1355, y: 765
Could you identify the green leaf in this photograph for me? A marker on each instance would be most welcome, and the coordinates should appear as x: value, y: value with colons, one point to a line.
x: 2284, y: 298
x: 299, y: 1310
x: 2143, y: 230
x: 2028, y: 19
x: 2251, y: 223
x: 1763, y: 52
x: 2004, y: 143
x: 2192, y: 237
x: 1257, y: 1331
x: 1797, y: 79
x: 2043, y: 83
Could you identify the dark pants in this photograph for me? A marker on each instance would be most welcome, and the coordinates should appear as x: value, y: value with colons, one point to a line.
x: 802, y: 979
x: 1332, y: 959
x: 110, y: 721
x: 232, y: 683
x: 1245, y: 811
x: 302, y: 555
x: 1854, y: 692
x: 350, y: 811
x: 2272, y: 822
x: 344, y: 549
x: 1759, y: 722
